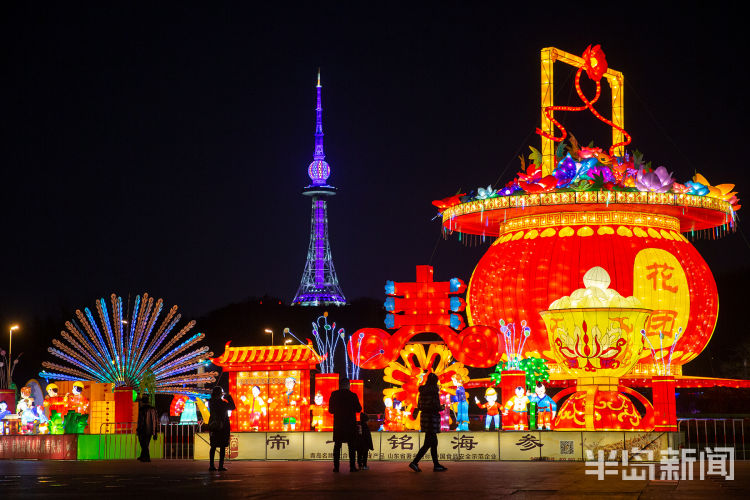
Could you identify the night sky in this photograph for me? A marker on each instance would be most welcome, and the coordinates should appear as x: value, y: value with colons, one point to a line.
x: 163, y: 148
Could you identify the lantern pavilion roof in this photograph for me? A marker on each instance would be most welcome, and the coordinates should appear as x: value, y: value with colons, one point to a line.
x: 287, y: 357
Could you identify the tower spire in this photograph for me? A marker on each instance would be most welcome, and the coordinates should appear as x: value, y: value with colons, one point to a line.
x: 319, y: 285
x: 318, y: 154
x: 319, y: 170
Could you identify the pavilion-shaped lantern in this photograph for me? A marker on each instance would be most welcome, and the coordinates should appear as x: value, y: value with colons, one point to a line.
x: 270, y: 386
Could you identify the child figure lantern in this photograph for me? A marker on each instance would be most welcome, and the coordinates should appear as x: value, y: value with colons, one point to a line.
x: 27, y: 411
x: 492, y: 407
x: 399, y: 416
x: 319, y: 411
x: 516, y: 409
x: 546, y: 408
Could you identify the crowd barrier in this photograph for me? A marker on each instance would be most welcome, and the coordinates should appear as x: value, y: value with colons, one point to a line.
x: 186, y: 442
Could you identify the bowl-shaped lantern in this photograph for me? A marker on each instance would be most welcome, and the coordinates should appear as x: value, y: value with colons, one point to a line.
x: 595, y: 336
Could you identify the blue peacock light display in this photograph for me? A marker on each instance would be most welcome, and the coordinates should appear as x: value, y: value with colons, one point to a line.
x: 123, y: 350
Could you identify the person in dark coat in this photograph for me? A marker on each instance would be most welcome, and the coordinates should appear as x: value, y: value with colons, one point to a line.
x: 344, y: 405
x: 364, y: 441
x: 429, y: 420
x: 218, y: 424
x: 147, y: 427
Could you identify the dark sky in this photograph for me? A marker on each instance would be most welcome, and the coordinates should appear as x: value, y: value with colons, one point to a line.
x: 163, y: 148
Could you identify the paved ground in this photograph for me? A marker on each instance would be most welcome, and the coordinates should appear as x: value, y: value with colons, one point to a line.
x: 176, y: 480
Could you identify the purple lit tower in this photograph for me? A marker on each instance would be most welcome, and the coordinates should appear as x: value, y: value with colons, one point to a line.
x: 319, y: 285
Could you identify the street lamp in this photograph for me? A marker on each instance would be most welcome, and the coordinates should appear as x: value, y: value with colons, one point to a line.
x: 10, y: 351
x: 271, y: 332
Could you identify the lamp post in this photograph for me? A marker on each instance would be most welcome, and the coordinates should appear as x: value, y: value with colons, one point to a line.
x: 10, y: 351
x: 267, y: 330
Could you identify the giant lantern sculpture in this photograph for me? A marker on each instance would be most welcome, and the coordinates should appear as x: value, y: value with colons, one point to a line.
x: 606, y: 221
x: 590, y: 249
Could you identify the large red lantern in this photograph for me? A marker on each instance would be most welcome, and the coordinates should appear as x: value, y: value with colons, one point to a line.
x: 546, y: 243
x: 538, y: 259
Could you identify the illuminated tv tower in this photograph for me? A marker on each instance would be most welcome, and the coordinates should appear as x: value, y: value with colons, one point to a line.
x: 319, y: 285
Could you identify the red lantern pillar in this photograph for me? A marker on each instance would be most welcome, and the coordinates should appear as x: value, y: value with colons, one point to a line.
x: 358, y: 388
x: 325, y: 384
x: 509, y: 380
x: 665, y: 403
x: 124, y: 410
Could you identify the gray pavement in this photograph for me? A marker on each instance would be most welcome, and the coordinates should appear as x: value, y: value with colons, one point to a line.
x: 176, y: 480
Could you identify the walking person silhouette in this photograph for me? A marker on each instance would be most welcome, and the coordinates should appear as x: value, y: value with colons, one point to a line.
x: 429, y: 420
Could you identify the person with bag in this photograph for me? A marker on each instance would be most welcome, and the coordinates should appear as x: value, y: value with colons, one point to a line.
x: 147, y: 427
x: 344, y: 405
x: 429, y: 420
x: 219, y: 405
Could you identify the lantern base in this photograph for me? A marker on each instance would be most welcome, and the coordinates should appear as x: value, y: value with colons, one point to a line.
x: 593, y: 408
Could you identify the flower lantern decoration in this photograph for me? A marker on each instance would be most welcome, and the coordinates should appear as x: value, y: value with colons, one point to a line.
x: 408, y: 376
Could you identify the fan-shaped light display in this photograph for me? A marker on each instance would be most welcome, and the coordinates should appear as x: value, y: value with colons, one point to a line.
x: 123, y: 349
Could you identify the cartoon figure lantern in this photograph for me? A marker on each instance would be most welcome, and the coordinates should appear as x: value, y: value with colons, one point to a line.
x: 4, y: 411
x: 546, y: 408
x: 53, y: 402
x: 391, y: 418
x: 462, y: 405
x: 492, y: 407
x: 517, y: 410
x: 319, y: 411
x: 56, y: 409
x: 77, y: 406
x: 256, y: 408
x: 178, y: 405
x: 290, y: 404
x: 398, y: 424
x: 28, y: 412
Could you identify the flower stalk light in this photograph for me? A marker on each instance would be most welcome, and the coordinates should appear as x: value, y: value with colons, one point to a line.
x: 123, y: 351
x: 662, y: 366
x: 513, y: 347
x: 327, y: 341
